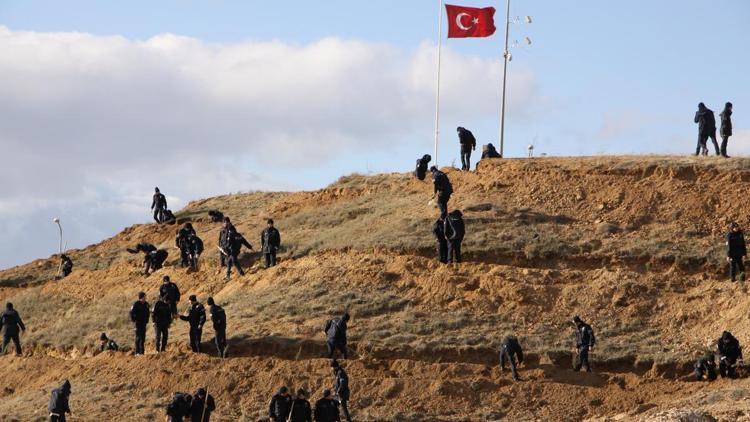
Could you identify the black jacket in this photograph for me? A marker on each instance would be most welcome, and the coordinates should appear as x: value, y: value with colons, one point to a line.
x: 301, y: 411
x: 420, y: 171
x: 183, y: 234
x: 736, y: 245
x: 512, y: 347
x: 730, y: 348
x: 67, y: 265
x: 726, y: 123
x: 341, y: 384
x: 327, y: 410
x: 171, y: 291
x: 335, y: 330
x: 226, y: 233
x: 454, y: 226
x: 162, y: 314
x: 159, y: 202
x: 179, y: 406
x: 280, y: 407
x: 466, y: 138
x: 441, y: 183
x: 143, y: 247
x: 490, y: 152
x: 58, y: 401
x: 195, y: 245
x: 585, y: 336
x: 11, y: 322
x: 140, y: 312
x: 109, y: 345
x: 218, y: 317
x: 706, y: 121
x: 236, y: 242
x: 705, y: 364
x: 438, y: 229
x: 157, y: 258
x: 196, y: 409
x: 196, y: 317
x: 270, y: 239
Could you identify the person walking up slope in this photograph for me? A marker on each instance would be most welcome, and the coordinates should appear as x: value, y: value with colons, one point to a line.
x: 585, y: 341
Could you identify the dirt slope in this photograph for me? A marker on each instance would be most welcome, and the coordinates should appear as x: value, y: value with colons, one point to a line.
x: 632, y: 244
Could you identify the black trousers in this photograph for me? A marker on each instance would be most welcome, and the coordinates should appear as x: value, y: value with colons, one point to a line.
x: 61, y: 418
x: 222, y: 259
x: 7, y: 337
x: 195, y: 339
x: 582, y: 360
x: 220, y: 339
x: 162, y: 335
x: 465, y: 158
x: 736, y: 266
x: 727, y: 368
x: 234, y: 261
x: 442, y: 251
x: 724, y: 141
x: 703, y: 141
x: 184, y: 257
x: 442, y: 203
x: 345, y: 408
x: 270, y: 259
x: 510, y: 357
x: 454, y: 251
x: 333, y: 346
x: 140, y: 339
x: 158, y: 214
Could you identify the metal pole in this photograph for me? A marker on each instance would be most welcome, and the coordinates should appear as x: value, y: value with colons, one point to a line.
x: 505, y: 76
x: 437, y: 90
x: 59, y: 226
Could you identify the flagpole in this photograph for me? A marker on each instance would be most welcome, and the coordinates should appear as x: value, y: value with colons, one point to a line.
x: 437, y: 90
x: 505, y: 76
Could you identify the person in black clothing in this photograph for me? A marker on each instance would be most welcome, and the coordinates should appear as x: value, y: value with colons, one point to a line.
x: 179, y: 407
x: 281, y: 405
x: 421, y: 169
x: 736, y: 251
x: 226, y: 233
x: 455, y: 230
x: 335, y: 330
x: 195, y: 249
x: 443, y: 190
x: 59, y: 403
x: 139, y: 315
x: 468, y: 144
x: 153, y: 258
x: 158, y: 205
x: 706, y: 129
x: 438, y: 229
x: 201, y: 406
x: 170, y: 291
x: 196, y: 317
x: 11, y: 322
x: 216, y: 216
x: 66, y: 265
x: 489, y: 151
x: 219, y: 321
x: 168, y: 217
x: 181, y: 241
x: 730, y: 355
x: 301, y: 409
x: 235, y: 243
x: 326, y: 409
x: 511, y: 350
x: 105, y: 343
x: 341, y: 388
x: 726, y: 128
x: 705, y: 368
x: 162, y: 317
x: 585, y: 341
x: 270, y: 241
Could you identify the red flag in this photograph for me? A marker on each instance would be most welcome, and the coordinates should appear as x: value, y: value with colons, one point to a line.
x: 464, y: 22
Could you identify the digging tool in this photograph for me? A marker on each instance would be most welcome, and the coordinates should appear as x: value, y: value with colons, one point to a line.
x: 289, y: 418
x: 205, y: 405
x: 222, y: 251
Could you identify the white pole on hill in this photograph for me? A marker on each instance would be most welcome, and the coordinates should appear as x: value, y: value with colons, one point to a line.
x: 505, y: 76
x: 59, y: 226
x: 437, y: 90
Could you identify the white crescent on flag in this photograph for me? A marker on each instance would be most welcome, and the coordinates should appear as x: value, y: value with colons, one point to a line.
x: 459, y: 24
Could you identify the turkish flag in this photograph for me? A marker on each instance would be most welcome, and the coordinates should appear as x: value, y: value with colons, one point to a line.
x: 465, y: 22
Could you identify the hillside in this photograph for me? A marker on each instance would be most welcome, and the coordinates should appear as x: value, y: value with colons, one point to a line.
x: 635, y: 245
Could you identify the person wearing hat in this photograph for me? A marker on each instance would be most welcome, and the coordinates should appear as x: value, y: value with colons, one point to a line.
x: 280, y: 406
x: 270, y: 241
x: 196, y: 317
x: 59, y: 403
x: 726, y: 128
x: 585, y: 341
x: 11, y: 323
x: 301, y: 409
x: 326, y: 409
x: 341, y: 387
x: 706, y: 129
x: 736, y: 251
x: 489, y: 151
x: 158, y: 205
x: 219, y: 321
x: 201, y: 406
x: 139, y: 315
x: 105, y: 343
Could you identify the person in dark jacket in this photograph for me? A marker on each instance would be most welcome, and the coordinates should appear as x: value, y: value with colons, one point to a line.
x: 12, y: 323
x: 335, y: 330
x: 736, y: 251
x: 179, y: 407
x: 270, y: 241
x: 438, y: 229
x: 181, y: 241
x: 139, y: 315
x: 162, y: 317
x: 168, y: 217
x: 443, y: 190
x: 196, y: 317
x: 327, y: 409
x: 66, y: 265
x: 219, y: 321
x: 585, y: 341
x: 706, y: 129
x: 455, y: 230
x: 705, y: 368
x: 489, y: 151
x: 301, y: 409
x: 726, y: 128
x: 281, y: 405
x: 216, y: 216
x: 194, y: 251
x: 341, y: 388
x: 421, y: 169
x: 153, y: 258
x: 201, y: 406
x: 226, y: 233
x: 235, y: 242
x: 171, y: 292
x: 511, y: 350
x: 59, y: 403
x: 106, y: 343
x: 730, y: 355
x: 158, y: 205
x: 468, y: 144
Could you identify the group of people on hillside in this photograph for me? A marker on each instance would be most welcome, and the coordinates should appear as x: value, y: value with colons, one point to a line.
x: 706, y: 121
x: 284, y: 408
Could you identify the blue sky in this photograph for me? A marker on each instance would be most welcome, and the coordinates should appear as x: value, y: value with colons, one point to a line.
x: 600, y: 78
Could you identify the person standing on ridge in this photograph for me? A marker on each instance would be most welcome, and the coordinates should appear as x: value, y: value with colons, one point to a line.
x: 706, y: 129
x: 219, y: 320
x: 11, y: 322
x: 421, y: 169
x: 196, y: 317
x: 270, y: 239
x: 139, y: 315
x: 736, y: 251
x: 158, y: 205
x: 468, y: 144
x: 442, y: 189
x: 585, y: 341
x: 726, y: 128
